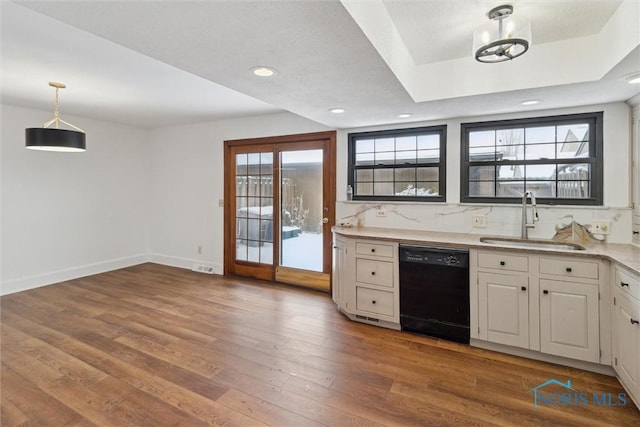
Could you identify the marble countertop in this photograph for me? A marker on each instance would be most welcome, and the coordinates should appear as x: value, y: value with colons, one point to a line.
x: 625, y: 255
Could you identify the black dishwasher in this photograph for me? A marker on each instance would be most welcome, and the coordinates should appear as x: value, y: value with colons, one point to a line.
x: 434, y: 292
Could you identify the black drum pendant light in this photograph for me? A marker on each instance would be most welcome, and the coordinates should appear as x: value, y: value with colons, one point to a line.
x: 53, y: 138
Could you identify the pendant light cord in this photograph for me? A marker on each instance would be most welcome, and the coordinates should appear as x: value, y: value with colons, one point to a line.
x: 56, y: 111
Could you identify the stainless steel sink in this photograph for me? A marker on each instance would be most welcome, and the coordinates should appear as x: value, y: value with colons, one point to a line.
x: 532, y: 244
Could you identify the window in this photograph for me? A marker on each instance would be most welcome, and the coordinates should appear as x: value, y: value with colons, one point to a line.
x: 400, y: 164
x: 559, y: 159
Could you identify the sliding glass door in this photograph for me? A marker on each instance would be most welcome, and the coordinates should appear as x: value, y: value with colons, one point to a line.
x: 302, y: 216
x: 254, y: 207
x: 279, y: 208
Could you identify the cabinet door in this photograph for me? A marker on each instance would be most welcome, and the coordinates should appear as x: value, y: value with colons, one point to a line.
x: 626, y: 341
x: 340, y: 273
x: 569, y: 320
x: 503, y: 309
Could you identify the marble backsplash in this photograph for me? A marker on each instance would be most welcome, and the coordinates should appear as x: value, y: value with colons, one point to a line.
x: 500, y: 220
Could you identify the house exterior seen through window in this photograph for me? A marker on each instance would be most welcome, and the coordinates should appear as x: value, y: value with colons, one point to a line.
x: 400, y: 164
x: 558, y: 158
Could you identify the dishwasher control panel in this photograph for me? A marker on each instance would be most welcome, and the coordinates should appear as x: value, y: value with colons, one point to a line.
x: 438, y: 256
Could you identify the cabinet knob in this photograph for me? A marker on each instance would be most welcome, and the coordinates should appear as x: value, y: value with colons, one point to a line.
x: 373, y: 273
x: 622, y: 284
x: 373, y: 302
x: 545, y: 292
x: 524, y: 288
x: 502, y: 263
x: 568, y: 269
x: 634, y: 322
x: 373, y: 250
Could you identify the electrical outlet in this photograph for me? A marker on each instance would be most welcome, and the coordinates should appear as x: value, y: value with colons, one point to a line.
x: 479, y: 221
x: 200, y: 250
x: 600, y: 226
x: 380, y: 213
x: 221, y: 203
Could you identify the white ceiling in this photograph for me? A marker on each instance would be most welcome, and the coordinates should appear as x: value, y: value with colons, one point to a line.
x: 430, y: 38
x: 155, y: 63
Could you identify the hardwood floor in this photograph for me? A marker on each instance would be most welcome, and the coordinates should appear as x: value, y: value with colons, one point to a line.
x: 158, y: 346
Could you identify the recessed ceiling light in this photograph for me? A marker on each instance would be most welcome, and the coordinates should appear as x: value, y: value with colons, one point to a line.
x: 337, y: 110
x: 263, y: 71
x: 633, y: 78
x: 530, y: 102
x: 404, y: 115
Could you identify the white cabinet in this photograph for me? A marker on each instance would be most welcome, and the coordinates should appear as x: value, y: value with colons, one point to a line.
x: 537, y: 302
x: 626, y: 351
x: 626, y: 331
x: 569, y: 320
x: 374, y: 272
x: 365, y: 280
x: 374, y: 302
x: 376, y: 281
x: 569, y: 307
x: 569, y: 268
x: 503, y: 309
x: 378, y: 250
x: 500, y: 298
x: 503, y: 261
x: 340, y: 272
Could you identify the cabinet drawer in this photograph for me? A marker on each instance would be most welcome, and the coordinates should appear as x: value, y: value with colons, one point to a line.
x: 628, y: 283
x: 502, y: 261
x: 569, y: 268
x: 374, y: 272
x: 374, y: 249
x: 373, y: 301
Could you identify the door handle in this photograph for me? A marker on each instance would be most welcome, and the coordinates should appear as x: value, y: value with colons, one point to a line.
x: 325, y: 220
x: 634, y: 322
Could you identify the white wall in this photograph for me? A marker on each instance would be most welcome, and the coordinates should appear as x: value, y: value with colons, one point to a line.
x: 187, y: 181
x: 503, y: 219
x: 66, y: 215
x: 139, y: 195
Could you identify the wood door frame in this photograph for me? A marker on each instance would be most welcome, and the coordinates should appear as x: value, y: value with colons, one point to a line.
x: 278, y: 143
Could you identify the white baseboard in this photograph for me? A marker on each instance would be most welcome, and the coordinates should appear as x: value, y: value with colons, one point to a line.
x: 531, y: 354
x: 174, y: 261
x: 30, y: 282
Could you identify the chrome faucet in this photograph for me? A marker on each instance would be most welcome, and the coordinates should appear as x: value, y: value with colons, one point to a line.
x: 534, y: 214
